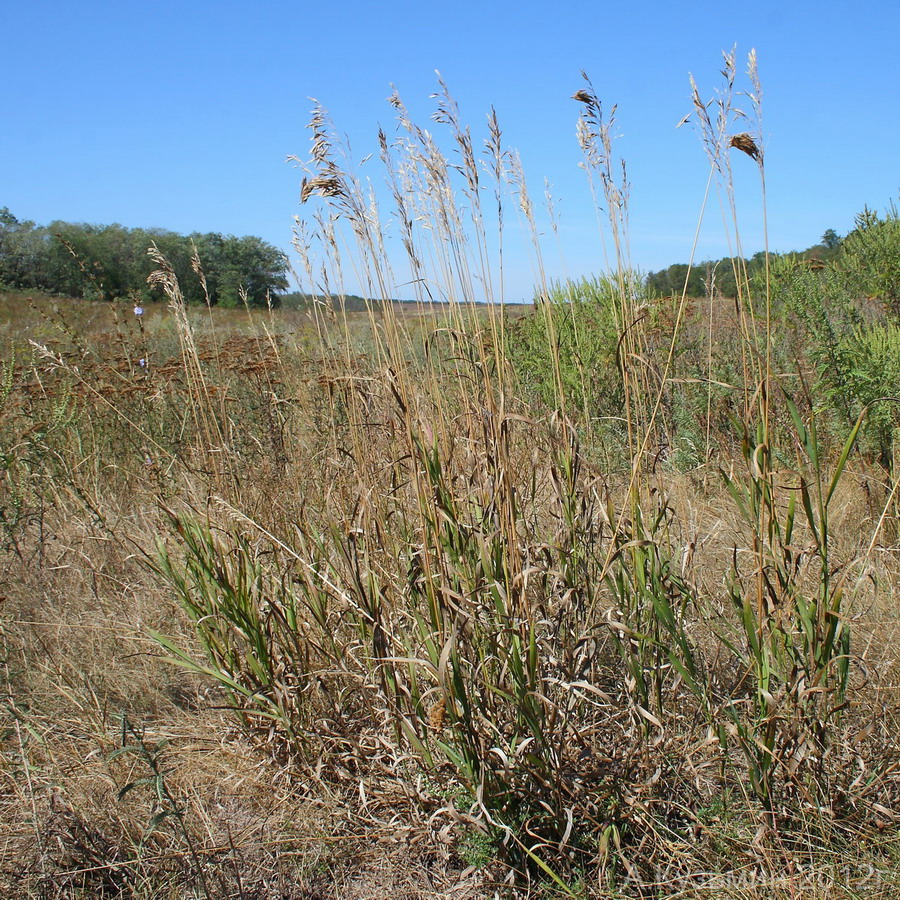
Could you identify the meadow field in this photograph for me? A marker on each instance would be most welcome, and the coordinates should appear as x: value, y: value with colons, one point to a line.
x: 592, y: 598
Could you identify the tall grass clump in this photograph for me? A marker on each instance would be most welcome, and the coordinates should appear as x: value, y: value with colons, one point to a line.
x: 470, y: 587
x: 794, y: 636
x: 487, y: 586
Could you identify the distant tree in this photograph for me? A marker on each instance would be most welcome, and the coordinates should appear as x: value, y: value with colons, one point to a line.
x: 243, y: 265
x: 831, y: 240
x: 7, y: 219
x: 9, y: 225
x: 105, y: 262
x: 671, y: 281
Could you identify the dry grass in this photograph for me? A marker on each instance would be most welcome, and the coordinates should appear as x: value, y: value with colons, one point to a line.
x: 425, y: 643
x: 77, y: 658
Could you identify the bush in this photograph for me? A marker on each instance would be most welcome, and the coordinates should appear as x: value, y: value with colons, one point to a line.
x: 850, y: 312
x: 568, y: 346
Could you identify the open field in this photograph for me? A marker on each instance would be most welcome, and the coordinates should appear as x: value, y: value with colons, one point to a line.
x: 592, y: 599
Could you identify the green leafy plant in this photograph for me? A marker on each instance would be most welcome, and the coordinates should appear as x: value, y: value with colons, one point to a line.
x: 575, y: 328
x: 870, y: 258
x: 796, y: 641
x: 248, y: 625
x: 653, y: 604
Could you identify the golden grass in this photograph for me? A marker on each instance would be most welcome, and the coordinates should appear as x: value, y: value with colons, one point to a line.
x: 426, y: 643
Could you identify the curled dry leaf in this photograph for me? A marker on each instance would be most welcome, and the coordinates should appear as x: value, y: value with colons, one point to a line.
x: 745, y: 143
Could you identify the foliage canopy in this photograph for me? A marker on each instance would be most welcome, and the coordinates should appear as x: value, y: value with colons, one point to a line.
x: 103, y: 262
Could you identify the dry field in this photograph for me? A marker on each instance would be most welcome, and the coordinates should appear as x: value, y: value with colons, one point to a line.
x: 593, y: 600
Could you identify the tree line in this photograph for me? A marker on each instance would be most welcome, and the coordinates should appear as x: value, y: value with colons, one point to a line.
x: 718, y: 276
x: 107, y: 262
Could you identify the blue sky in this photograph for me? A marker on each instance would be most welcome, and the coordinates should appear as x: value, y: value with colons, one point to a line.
x: 181, y: 115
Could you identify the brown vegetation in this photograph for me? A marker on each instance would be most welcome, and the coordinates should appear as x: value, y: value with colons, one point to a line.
x: 342, y: 605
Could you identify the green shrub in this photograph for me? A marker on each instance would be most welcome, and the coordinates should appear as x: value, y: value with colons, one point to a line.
x: 575, y: 329
x: 849, y: 310
x: 870, y: 261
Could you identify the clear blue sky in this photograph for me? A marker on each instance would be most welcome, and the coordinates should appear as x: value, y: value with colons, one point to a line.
x: 180, y: 115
